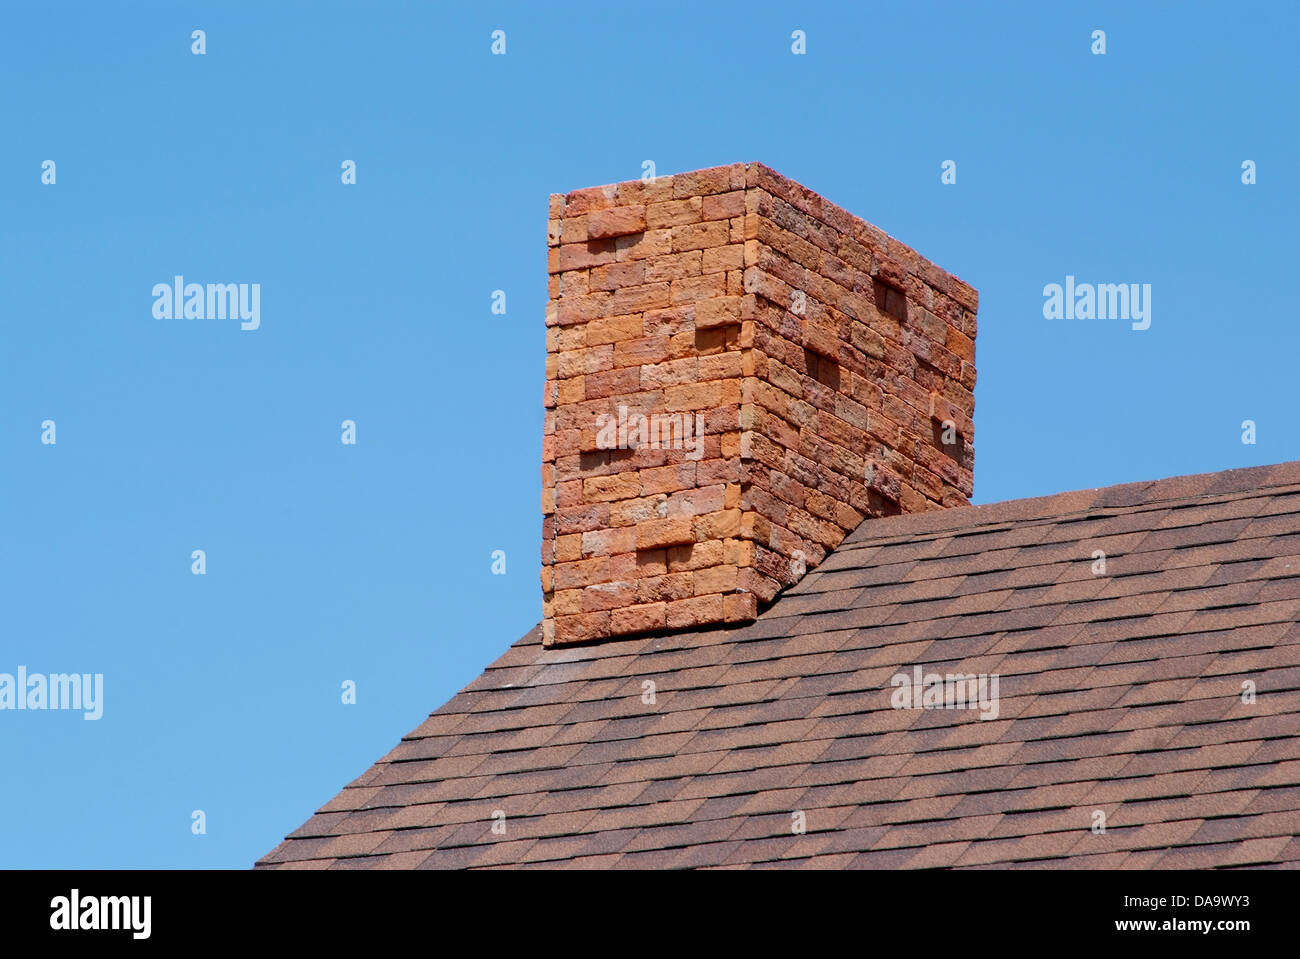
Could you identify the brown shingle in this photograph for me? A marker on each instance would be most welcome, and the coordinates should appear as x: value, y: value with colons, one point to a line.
x: 1119, y: 693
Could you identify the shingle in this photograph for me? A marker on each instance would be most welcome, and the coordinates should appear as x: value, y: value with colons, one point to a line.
x: 1238, y: 828
x: 706, y: 855
x: 958, y: 830
x: 1040, y: 846
x: 1155, y: 835
x: 1223, y: 854
x: 883, y: 859
x: 1118, y: 692
x: 676, y: 835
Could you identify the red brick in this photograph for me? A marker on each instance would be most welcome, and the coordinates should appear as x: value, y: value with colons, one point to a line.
x: 674, y: 213
x: 655, y: 534
x: 619, y: 221
x: 581, y: 628
x: 721, y: 258
x: 604, y: 489
x: 695, y: 236
x: 638, y: 619
x: 577, y: 256
x: 724, y: 206
x: 699, y: 611
x: 584, y: 572
x: 740, y: 607
x: 608, y: 596
x: 617, y: 275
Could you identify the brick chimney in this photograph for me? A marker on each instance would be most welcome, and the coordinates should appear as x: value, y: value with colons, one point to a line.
x: 738, y: 372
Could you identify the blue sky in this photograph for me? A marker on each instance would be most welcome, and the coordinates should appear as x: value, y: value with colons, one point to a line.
x: 371, y: 562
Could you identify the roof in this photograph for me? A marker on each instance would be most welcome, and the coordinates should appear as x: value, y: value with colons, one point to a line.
x: 1119, y: 692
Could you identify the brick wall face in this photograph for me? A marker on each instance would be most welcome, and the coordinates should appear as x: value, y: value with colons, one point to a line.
x: 828, y: 368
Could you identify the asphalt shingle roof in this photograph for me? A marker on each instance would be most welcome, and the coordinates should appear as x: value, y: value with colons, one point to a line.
x: 1119, y: 692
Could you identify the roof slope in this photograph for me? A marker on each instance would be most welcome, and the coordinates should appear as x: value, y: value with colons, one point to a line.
x: 1119, y: 692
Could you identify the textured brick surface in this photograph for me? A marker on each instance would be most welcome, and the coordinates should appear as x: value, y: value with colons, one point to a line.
x: 830, y: 367
x: 1119, y: 692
